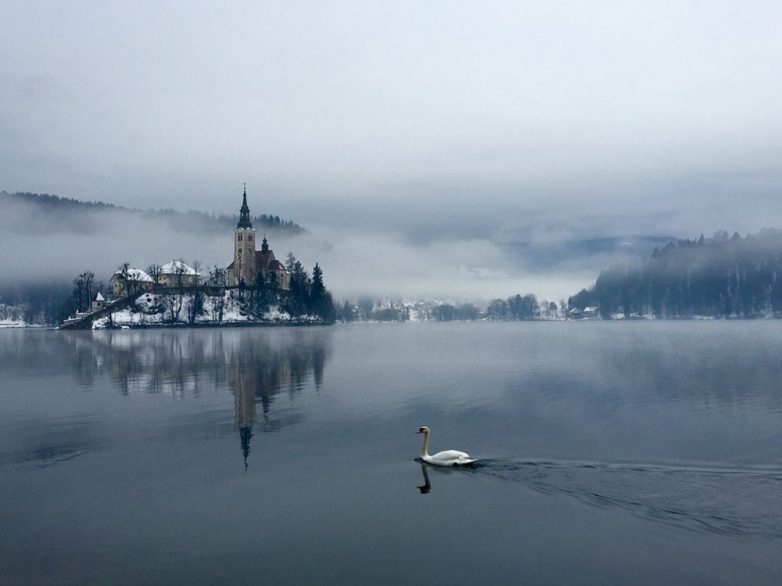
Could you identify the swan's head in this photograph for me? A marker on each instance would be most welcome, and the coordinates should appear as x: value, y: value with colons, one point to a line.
x: 423, y: 429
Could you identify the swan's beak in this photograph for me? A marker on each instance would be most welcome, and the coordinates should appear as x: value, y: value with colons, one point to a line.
x: 417, y: 432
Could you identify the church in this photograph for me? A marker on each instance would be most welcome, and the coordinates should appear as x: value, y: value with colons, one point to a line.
x: 248, y: 263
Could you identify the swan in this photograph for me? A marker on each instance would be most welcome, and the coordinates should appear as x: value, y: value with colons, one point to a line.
x: 446, y: 458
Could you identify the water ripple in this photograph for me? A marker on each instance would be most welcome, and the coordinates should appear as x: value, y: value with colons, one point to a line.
x: 736, y: 501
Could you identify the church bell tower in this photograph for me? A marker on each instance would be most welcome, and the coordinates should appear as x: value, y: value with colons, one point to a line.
x: 244, y: 246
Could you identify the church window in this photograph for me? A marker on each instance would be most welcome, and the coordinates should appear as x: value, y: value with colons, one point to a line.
x: 240, y: 251
x: 239, y: 237
x: 250, y: 237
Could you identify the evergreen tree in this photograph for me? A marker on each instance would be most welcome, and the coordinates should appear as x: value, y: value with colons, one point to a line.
x: 720, y: 276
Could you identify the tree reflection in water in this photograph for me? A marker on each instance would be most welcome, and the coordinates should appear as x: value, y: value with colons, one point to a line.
x: 256, y: 364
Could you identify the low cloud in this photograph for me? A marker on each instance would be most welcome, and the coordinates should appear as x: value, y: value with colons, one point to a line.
x: 38, y: 246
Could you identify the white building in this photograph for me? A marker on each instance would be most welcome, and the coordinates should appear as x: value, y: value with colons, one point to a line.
x: 132, y: 280
x: 178, y: 274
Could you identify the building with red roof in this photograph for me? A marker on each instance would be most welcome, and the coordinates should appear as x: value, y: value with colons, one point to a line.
x: 248, y: 263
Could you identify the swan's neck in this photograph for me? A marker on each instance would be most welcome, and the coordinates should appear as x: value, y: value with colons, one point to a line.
x: 425, y: 447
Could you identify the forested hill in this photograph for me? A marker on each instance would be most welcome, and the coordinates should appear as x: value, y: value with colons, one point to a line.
x: 63, y: 214
x: 721, y: 276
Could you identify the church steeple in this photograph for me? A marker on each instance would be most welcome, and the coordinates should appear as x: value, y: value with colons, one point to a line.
x: 244, y: 212
x: 265, y: 245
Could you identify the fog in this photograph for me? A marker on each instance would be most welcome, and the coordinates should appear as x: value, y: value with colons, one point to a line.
x: 418, y: 142
x: 40, y: 247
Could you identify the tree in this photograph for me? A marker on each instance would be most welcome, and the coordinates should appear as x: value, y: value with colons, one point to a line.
x: 197, y: 269
x: 366, y: 306
x: 290, y: 262
x: 721, y: 276
x: 88, y: 280
x: 317, y: 293
x: 78, y: 293
x: 264, y: 293
x: 497, y: 310
x: 154, y: 271
x: 195, y: 305
x: 320, y: 301
x: 179, y: 274
x: 218, y: 277
x: 297, y: 301
x: 346, y: 312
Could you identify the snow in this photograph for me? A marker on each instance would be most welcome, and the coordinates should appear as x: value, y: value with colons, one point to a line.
x: 99, y: 297
x: 276, y: 314
x: 136, y: 275
x: 152, y: 309
x: 177, y: 267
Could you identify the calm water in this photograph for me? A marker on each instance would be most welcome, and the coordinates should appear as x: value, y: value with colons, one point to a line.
x: 612, y: 453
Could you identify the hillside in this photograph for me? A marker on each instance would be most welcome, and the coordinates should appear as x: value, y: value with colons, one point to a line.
x: 63, y: 214
x: 721, y: 276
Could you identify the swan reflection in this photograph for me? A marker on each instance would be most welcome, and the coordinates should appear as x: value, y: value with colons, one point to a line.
x: 426, y: 486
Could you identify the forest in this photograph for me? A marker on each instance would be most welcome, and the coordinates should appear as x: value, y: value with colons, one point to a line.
x: 65, y: 211
x: 721, y: 276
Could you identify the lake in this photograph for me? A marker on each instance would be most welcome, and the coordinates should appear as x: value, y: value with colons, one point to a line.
x: 610, y: 453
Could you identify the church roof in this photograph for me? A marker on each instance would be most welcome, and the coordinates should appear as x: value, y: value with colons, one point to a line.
x: 263, y: 258
x: 99, y: 297
x: 265, y: 261
x: 244, y: 212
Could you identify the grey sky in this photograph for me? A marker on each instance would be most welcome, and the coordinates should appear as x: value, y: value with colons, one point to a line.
x: 487, y: 119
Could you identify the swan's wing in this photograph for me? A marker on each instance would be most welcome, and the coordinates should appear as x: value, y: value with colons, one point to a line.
x: 465, y: 461
x: 450, y: 455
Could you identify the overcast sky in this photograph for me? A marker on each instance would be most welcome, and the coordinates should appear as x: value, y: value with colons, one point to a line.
x: 420, y: 120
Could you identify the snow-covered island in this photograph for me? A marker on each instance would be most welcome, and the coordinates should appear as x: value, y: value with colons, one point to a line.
x: 229, y: 307
x: 255, y: 288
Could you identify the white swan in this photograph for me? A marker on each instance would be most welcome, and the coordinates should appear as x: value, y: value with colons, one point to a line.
x: 446, y: 458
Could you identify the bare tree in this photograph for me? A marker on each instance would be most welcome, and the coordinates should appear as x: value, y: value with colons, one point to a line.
x: 197, y: 268
x: 78, y: 293
x: 218, y: 277
x: 196, y: 305
x: 154, y: 271
x: 179, y: 274
x: 123, y: 271
x: 88, y: 280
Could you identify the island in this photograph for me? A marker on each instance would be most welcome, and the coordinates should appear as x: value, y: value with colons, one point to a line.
x: 255, y: 288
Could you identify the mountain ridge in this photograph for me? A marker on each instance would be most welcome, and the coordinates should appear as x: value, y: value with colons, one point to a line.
x: 80, y: 212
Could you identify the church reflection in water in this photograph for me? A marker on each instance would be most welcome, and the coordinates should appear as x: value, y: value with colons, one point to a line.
x: 257, y: 365
x: 258, y: 371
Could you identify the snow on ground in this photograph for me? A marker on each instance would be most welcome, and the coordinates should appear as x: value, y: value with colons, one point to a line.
x: 11, y: 316
x: 158, y: 309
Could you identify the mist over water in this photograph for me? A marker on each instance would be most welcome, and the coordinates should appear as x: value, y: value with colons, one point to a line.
x: 417, y: 261
x: 191, y: 450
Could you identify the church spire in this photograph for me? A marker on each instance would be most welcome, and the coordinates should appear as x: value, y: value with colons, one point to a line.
x: 244, y: 212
